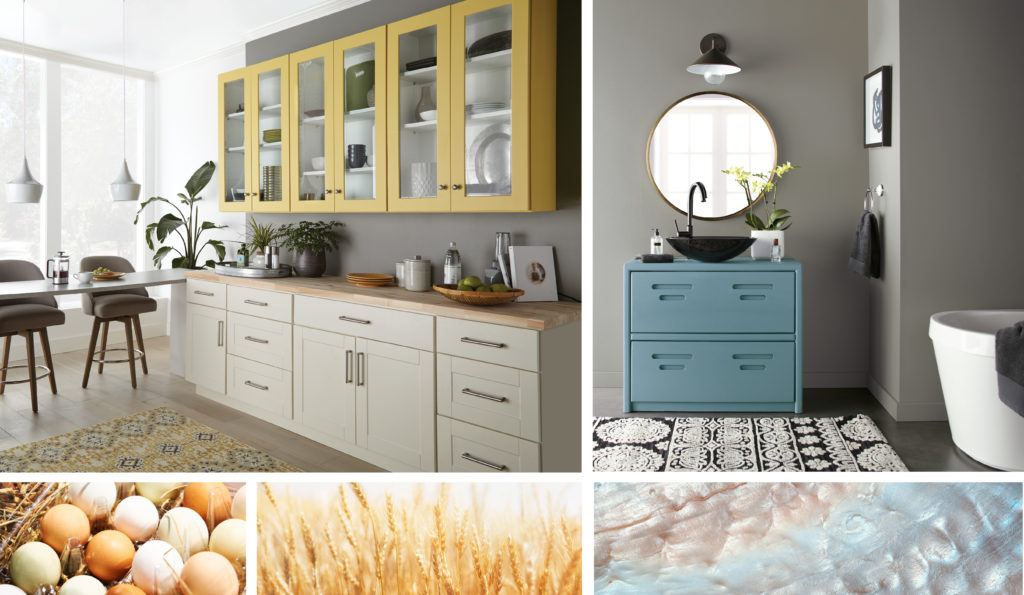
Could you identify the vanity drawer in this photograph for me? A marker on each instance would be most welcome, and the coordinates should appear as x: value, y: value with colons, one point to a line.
x: 495, y: 397
x: 504, y: 345
x: 206, y: 293
x: 380, y: 324
x: 261, y: 340
x: 260, y: 302
x: 259, y: 386
x: 465, y: 447
x: 714, y: 371
x: 712, y: 302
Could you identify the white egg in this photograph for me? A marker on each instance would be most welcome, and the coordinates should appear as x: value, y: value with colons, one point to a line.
x: 10, y: 590
x: 136, y: 517
x: 185, y: 530
x: 238, y: 504
x: 156, y: 568
x: 82, y: 585
x: 95, y: 498
x: 157, y: 492
x: 228, y: 540
x: 32, y: 565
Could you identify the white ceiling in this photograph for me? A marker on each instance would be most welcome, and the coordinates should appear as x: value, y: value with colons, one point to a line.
x: 161, y: 33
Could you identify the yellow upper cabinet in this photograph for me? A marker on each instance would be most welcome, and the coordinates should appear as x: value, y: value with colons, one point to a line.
x: 419, y: 113
x: 253, y: 102
x: 312, y: 150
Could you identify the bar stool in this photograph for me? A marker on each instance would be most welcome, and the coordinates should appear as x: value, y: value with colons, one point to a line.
x: 115, y: 306
x: 25, y: 317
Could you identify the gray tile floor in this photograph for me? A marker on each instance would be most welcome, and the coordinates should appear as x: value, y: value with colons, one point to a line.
x: 923, y: 445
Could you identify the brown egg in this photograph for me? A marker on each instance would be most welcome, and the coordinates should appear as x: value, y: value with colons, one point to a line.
x: 209, y: 573
x: 125, y: 590
x: 211, y: 500
x: 64, y: 522
x: 109, y: 555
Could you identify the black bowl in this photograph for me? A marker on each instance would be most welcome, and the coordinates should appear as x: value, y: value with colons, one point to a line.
x: 711, y: 248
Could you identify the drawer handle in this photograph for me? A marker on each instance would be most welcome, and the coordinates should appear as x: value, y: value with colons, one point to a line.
x: 473, y: 393
x: 255, y: 340
x: 673, y: 298
x: 355, y: 320
x: 672, y: 367
x: 753, y: 286
x: 255, y: 303
x: 753, y: 298
x: 752, y: 356
x: 254, y: 385
x: 206, y: 293
x: 484, y: 343
x: 754, y: 367
x: 672, y: 356
x: 360, y: 368
x: 348, y: 366
x: 672, y: 286
x: 488, y: 464
x: 220, y: 333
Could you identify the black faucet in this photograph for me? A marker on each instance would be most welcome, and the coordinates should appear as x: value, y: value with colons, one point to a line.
x: 689, y: 210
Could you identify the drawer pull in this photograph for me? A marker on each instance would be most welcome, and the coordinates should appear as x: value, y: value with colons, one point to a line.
x: 752, y: 286
x: 672, y: 356
x: 488, y: 464
x: 360, y: 368
x: 673, y: 367
x: 255, y: 303
x: 220, y: 333
x: 754, y: 367
x: 752, y: 356
x: 671, y: 286
x: 355, y: 320
x: 753, y: 298
x: 348, y: 366
x: 255, y: 340
x: 206, y: 293
x: 473, y: 393
x: 484, y: 343
x: 672, y: 298
x: 254, y: 385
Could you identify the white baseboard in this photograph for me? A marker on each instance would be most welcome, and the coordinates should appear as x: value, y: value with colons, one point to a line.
x: 923, y: 412
x: 884, y: 398
x: 835, y: 380
x: 608, y: 379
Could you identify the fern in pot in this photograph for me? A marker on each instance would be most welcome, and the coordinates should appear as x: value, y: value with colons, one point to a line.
x: 776, y: 221
x: 310, y: 241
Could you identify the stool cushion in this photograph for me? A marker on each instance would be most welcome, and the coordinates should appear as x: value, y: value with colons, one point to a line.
x: 121, y: 304
x: 23, y: 317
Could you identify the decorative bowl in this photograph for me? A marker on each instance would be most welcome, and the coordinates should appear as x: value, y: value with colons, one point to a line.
x: 318, y: 163
x: 428, y: 115
x: 477, y: 298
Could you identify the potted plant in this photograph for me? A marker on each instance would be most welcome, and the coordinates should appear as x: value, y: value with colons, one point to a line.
x: 310, y: 241
x: 260, y: 236
x: 776, y: 221
x: 188, y: 227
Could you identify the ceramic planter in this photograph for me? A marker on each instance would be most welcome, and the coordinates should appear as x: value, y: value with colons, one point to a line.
x: 308, y: 264
x: 763, y: 240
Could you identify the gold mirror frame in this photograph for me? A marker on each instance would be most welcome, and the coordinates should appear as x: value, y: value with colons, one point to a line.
x: 650, y: 137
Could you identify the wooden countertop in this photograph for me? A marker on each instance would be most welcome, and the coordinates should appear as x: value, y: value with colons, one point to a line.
x: 528, y: 315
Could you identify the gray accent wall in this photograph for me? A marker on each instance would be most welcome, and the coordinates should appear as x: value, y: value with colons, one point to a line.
x: 803, y: 63
x: 373, y: 242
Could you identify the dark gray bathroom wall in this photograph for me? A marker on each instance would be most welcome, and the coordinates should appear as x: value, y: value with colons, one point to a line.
x: 373, y: 242
x: 803, y: 63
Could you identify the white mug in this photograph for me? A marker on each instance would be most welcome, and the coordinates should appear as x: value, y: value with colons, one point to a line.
x: 84, y: 277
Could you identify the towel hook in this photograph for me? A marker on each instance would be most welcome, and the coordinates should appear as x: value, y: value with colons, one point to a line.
x: 869, y: 199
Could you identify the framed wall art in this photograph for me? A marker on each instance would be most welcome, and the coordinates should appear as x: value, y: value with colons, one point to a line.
x: 878, y: 108
x: 533, y: 271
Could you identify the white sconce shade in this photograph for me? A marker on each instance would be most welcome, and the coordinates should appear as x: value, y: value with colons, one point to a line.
x: 713, y: 64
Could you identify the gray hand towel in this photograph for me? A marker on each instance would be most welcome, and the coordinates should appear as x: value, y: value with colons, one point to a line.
x: 1010, y: 366
x: 866, y: 255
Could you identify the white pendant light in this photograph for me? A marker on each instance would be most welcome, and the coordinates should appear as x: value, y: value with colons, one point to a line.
x: 24, y: 188
x: 124, y: 188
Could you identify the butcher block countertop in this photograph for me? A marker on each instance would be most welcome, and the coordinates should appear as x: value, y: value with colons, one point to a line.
x: 528, y: 315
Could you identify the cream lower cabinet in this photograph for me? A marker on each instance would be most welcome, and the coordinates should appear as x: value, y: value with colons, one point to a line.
x: 325, y: 389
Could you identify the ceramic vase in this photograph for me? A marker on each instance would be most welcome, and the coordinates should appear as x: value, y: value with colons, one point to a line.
x: 763, y: 240
x: 308, y: 264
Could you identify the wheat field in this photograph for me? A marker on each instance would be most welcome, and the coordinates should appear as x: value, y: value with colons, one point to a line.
x: 443, y: 539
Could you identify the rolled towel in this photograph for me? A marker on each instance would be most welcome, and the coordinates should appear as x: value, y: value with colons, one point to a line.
x: 1010, y: 366
x: 866, y: 254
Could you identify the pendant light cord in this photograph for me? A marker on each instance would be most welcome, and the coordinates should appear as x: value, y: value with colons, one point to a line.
x: 24, y: 88
x: 124, y: 80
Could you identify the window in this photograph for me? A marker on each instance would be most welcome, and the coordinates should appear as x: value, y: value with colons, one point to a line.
x: 20, y: 233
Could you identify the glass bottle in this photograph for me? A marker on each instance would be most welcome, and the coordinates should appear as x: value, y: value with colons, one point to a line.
x: 452, y: 265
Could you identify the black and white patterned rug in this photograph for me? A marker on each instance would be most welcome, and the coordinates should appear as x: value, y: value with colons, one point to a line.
x: 849, y: 443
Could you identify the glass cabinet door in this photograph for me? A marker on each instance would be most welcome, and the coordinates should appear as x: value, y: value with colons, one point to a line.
x: 360, y: 82
x: 419, y: 112
x: 312, y: 149
x: 490, y: 102
x: 270, y: 163
x: 236, y: 188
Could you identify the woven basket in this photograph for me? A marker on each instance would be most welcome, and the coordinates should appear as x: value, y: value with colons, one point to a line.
x: 477, y: 298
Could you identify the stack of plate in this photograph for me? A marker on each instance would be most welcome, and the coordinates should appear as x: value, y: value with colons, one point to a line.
x: 370, y: 279
x: 485, y: 106
x: 272, y: 135
x: 271, y: 183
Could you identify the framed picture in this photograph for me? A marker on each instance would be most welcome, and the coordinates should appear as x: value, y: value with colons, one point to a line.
x: 878, y: 108
x: 533, y: 271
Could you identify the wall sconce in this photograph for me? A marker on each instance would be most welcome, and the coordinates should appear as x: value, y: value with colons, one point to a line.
x: 713, y: 63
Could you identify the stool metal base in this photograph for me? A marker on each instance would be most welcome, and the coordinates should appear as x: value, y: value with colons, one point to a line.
x: 99, y: 360
x: 45, y: 373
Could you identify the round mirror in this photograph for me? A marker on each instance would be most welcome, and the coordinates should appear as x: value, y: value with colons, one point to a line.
x: 699, y: 136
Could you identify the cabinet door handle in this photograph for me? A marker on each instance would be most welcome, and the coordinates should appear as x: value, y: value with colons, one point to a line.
x: 484, y: 343
x: 254, y: 385
x: 348, y: 366
x: 442, y: 186
x: 255, y: 340
x: 220, y: 333
x: 360, y: 368
x: 206, y: 293
x: 488, y: 464
x: 355, y: 320
x: 255, y: 303
x: 456, y: 186
x: 328, y: 191
x: 473, y: 393
x: 337, y: 190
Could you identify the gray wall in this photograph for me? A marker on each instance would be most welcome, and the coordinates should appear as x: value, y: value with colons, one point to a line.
x: 373, y: 242
x: 803, y: 63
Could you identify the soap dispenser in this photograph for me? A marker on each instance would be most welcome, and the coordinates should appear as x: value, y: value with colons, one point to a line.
x: 656, y: 243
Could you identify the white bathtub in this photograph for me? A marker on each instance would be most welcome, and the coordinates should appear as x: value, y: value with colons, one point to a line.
x: 965, y: 349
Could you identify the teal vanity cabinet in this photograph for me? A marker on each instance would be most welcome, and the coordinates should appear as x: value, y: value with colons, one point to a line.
x: 713, y: 336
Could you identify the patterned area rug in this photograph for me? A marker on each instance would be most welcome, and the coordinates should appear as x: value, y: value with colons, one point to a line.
x: 160, y: 440
x: 850, y: 443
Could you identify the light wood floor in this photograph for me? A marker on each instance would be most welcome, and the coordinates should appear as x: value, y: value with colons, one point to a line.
x: 110, y: 396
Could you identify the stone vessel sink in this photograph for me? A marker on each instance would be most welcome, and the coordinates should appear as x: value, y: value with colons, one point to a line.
x: 711, y: 248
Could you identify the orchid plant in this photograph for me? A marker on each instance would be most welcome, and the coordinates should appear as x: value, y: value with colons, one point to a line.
x: 754, y: 184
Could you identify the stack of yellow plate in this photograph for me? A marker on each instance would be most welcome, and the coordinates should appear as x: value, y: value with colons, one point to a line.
x: 370, y: 279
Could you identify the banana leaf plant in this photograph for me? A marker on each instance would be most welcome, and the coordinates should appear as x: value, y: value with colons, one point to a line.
x: 185, y: 224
